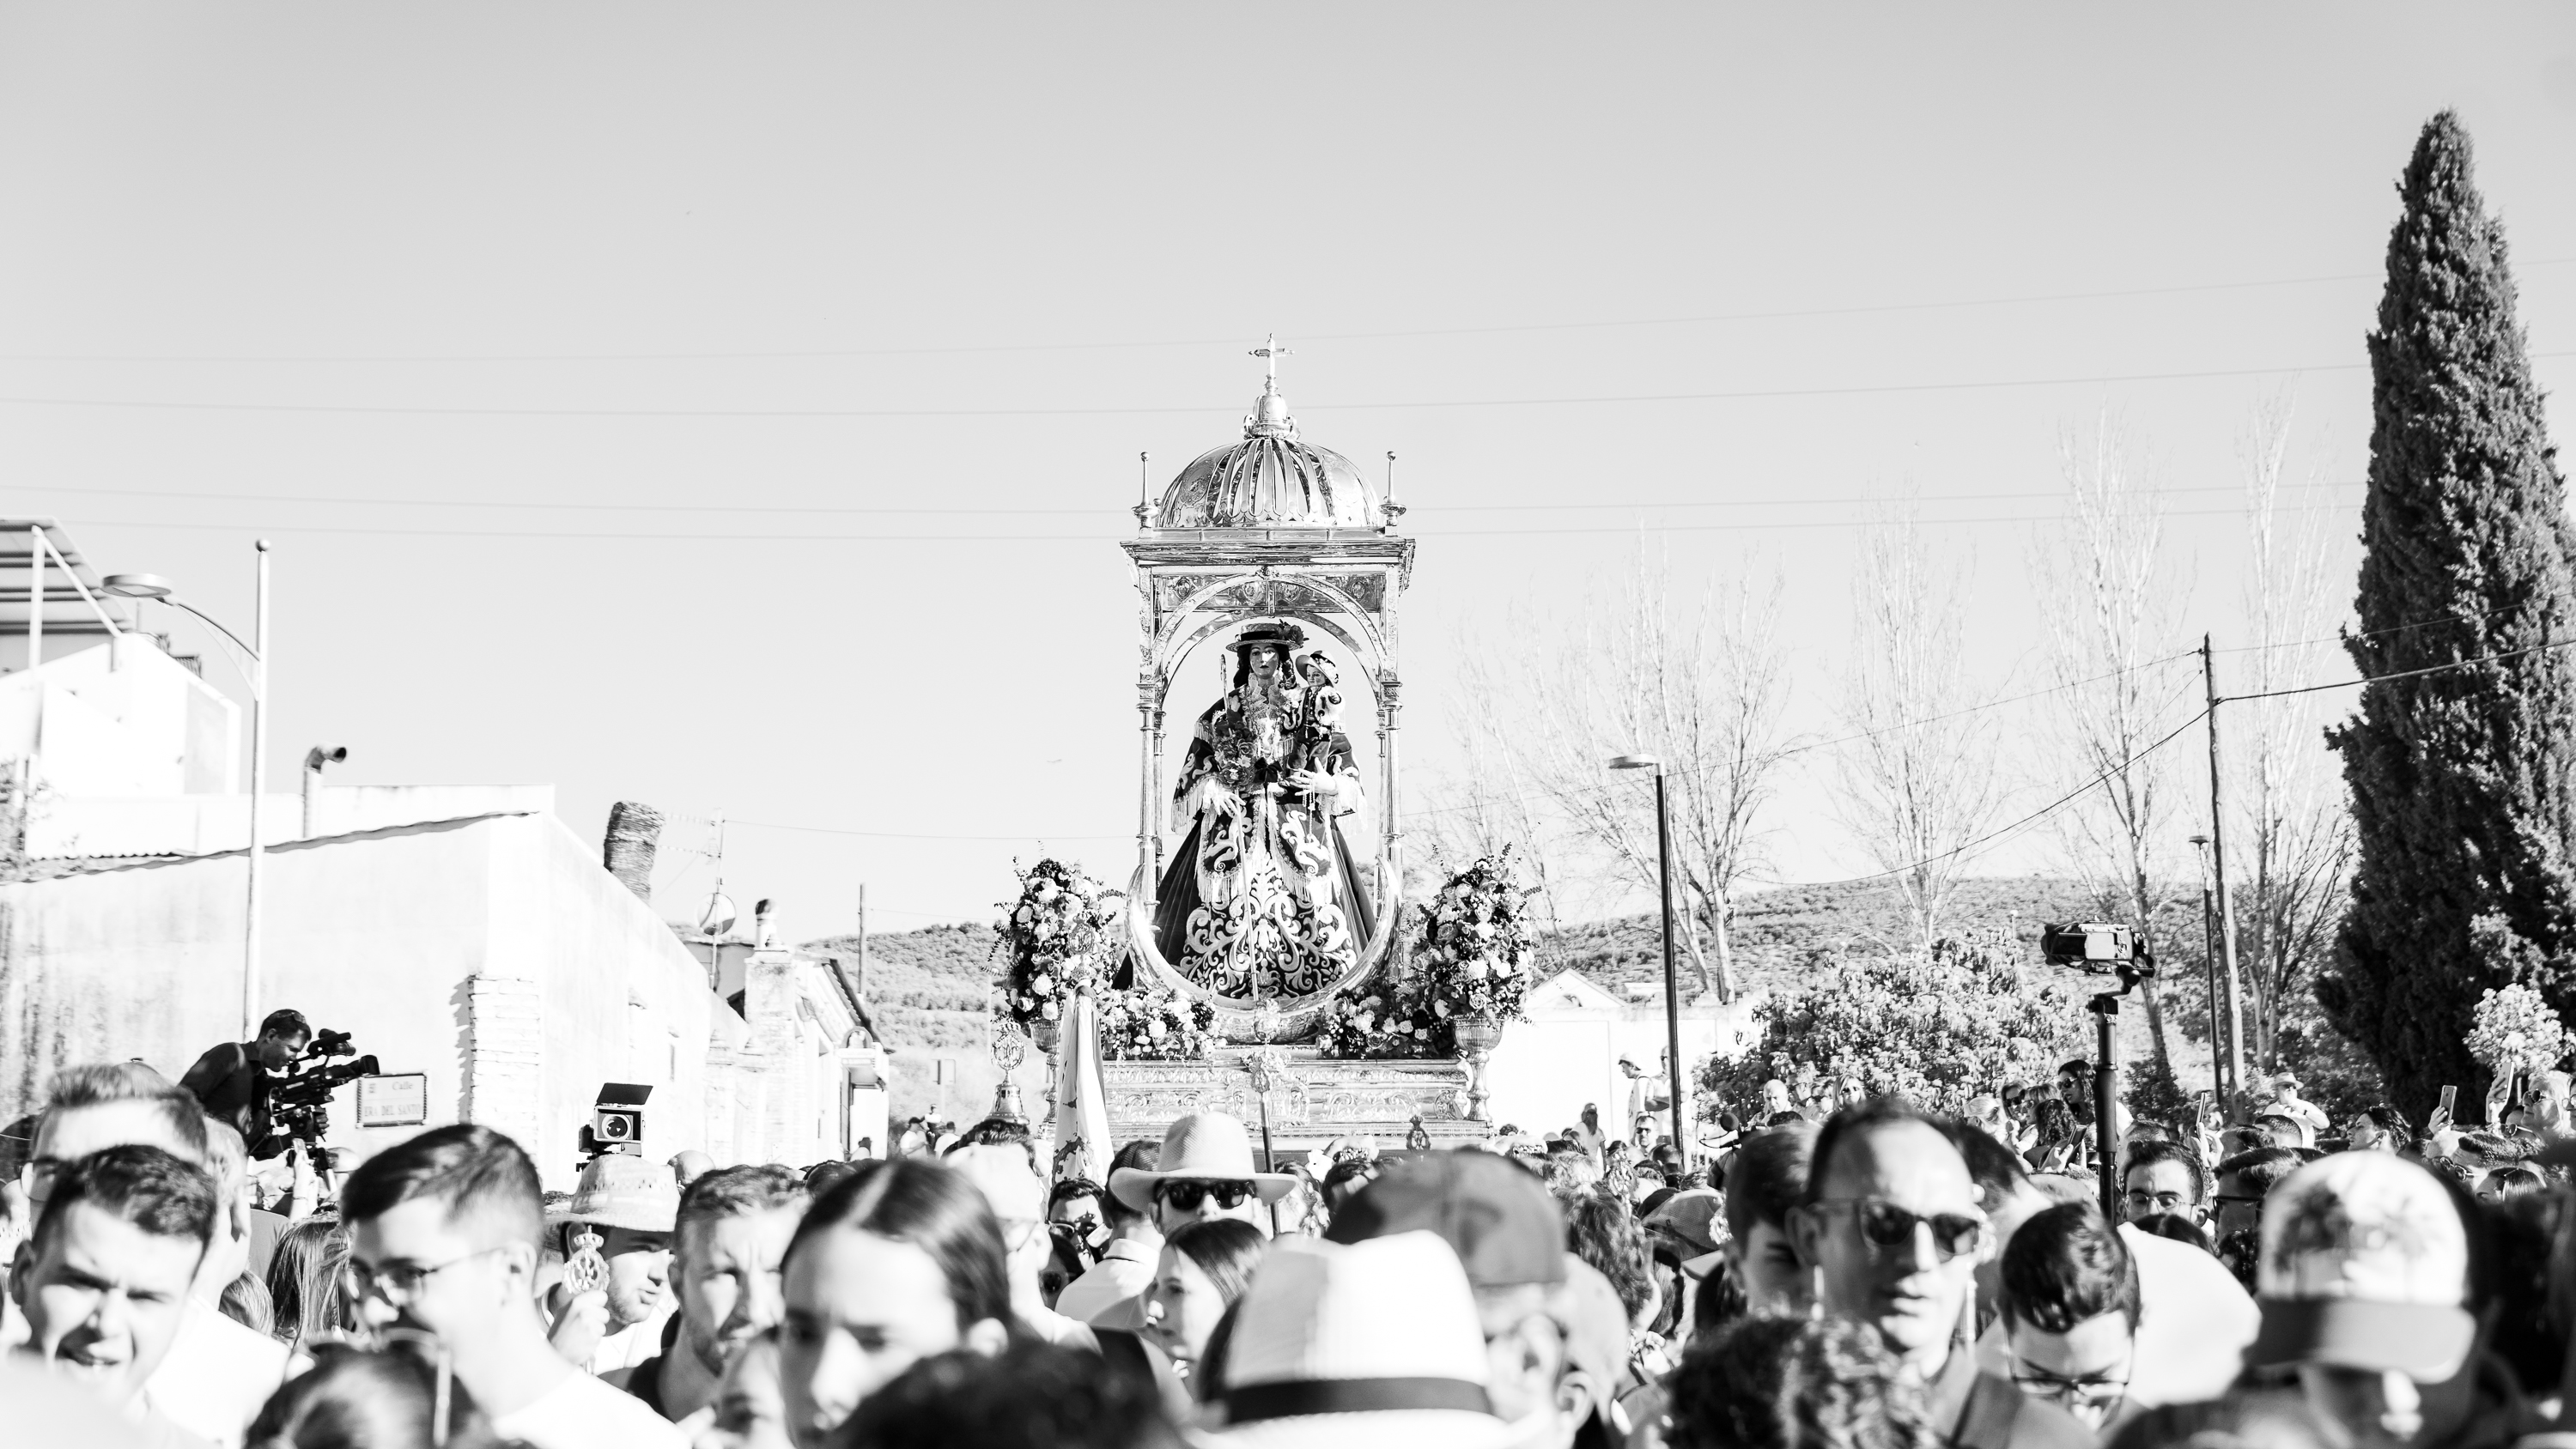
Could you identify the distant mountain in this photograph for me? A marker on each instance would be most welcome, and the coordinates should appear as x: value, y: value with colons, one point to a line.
x: 1777, y: 928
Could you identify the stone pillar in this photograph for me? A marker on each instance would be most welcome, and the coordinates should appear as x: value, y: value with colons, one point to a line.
x: 504, y: 1040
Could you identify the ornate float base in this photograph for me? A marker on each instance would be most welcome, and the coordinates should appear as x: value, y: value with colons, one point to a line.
x: 1311, y: 1103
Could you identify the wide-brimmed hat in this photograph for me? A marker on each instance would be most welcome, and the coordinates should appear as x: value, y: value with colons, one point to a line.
x: 1201, y: 1147
x: 1359, y: 1346
x: 621, y: 1191
x: 2364, y: 1265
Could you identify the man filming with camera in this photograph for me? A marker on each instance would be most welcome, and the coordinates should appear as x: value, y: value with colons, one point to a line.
x: 231, y: 1081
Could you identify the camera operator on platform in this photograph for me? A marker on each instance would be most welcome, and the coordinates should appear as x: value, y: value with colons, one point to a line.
x: 231, y: 1081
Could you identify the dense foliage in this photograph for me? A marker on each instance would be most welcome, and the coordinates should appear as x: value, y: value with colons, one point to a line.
x: 1939, y: 1025
x: 2463, y: 781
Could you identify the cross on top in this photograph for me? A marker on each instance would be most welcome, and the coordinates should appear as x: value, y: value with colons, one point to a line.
x: 1271, y: 351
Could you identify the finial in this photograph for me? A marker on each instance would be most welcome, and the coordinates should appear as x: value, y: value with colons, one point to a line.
x: 1270, y: 411
x: 1270, y: 351
x: 1144, y: 490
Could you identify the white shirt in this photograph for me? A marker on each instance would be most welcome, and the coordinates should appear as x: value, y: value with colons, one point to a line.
x: 634, y: 1343
x: 2195, y: 1322
x: 217, y: 1376
x: 1125, y: 1267
x: 583, y: 1413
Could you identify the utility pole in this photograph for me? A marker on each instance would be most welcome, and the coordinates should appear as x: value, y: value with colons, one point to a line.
x: 2218, y: 866
x: 863, y: 936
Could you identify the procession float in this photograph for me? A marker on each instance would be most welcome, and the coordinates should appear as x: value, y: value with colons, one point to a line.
x: 1262, y: 959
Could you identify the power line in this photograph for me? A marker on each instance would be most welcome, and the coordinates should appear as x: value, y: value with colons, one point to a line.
x: 1099, y: 512
x: 2402, y: 673
x: 2023, y: 299
x: 697, y: 537
x: 1754, y: 394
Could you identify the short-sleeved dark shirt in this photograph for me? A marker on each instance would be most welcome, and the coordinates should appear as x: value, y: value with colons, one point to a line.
x: 232, y: 1086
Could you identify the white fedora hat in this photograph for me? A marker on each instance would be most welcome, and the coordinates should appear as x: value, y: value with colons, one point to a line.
x: 1353, y: 1347
x: 1202, y: 1147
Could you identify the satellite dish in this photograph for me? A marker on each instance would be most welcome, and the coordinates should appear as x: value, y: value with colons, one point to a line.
x: 718, y: 917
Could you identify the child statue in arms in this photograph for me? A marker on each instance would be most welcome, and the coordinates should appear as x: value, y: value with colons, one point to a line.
x: 1262, y: 898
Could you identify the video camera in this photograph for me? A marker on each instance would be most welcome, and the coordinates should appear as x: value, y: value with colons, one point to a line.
x: 2098, y: 949
x: 299, y: 1103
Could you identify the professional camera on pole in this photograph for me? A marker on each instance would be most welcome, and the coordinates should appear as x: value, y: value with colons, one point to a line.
x: 2102, y: 950
x: 299, y: 1104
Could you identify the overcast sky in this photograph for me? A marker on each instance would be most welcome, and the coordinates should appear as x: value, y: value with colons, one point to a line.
x: 735, y: 407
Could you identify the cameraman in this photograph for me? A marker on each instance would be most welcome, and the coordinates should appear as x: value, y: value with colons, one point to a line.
x: 231, y: 1081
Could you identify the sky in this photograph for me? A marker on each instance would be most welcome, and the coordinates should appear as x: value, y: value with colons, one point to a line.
x: 736, y: 408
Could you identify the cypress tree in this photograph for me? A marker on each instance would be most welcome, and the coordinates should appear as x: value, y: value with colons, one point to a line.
x: 2463, y: 782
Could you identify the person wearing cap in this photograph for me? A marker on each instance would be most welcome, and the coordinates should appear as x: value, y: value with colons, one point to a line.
x: 633, y: 1205
x: 1553, y: 1352
x: 1011, y: 1190
x: 1892, y: 1226
x: 1367, y: 1345
x: 2365, y: 1290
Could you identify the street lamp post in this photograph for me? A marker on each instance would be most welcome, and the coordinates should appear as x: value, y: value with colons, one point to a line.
x: 1672, y: 989
x: 255, y: 672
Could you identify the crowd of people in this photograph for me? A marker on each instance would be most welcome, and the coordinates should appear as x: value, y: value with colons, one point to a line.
x: 1850, y: 1272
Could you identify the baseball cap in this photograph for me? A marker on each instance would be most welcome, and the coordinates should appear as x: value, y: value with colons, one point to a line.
x: 2364, y: 1265
x: 1693, y: 1220
x: 1002, y: 1174
x: 1495, y: 1215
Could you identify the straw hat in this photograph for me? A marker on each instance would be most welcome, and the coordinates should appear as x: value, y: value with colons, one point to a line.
x: 1358, y: 1346
x: 1201, y: 1147
x: 618, y: 1190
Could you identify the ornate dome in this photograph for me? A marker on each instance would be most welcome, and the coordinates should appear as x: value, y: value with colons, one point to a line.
x: 1269, y: 480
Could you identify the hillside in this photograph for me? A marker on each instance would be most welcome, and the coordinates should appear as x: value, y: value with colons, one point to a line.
x: 930, y: 987
x: 1776, y: 929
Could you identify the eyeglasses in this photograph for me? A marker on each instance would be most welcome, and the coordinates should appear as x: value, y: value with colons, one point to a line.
x: 2251, y: 1199
x: 2142, y: 1201
x: 400, y: 1284
x: 2091, y: 1391
x: 36, y: 1178
x: 1885, y: 1225
x: 1186, y: 1196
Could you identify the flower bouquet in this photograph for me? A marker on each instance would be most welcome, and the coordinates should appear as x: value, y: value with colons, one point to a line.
x: 1382, y: 1025
x: 2514, y: 1031
x: 1468, y: 959
x: 1051, y: 938
x: 1158, y: 1026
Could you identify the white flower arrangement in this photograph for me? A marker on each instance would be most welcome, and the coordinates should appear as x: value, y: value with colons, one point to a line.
x: 2515, y: 1031
x: 1055, y: 938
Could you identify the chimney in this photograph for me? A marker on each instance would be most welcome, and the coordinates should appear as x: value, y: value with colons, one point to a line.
x: 634, y: 832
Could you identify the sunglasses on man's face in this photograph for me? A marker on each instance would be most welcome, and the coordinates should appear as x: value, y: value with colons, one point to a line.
x: 1884, y: 1225
x: 1186, y: 1196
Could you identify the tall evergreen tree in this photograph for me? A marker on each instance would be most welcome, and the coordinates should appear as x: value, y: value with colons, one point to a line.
x: 2463, y: 782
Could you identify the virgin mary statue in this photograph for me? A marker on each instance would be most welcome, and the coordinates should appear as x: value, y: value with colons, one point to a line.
x: 1262, y: 898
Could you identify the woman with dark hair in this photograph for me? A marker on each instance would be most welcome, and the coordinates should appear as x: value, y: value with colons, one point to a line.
x: 900, y: 1261
x: 2057, y: 1138
x: 355, y: 1399
x: 1205, y: 1266
x: 1795, y: 1383
x: 309, y: 1302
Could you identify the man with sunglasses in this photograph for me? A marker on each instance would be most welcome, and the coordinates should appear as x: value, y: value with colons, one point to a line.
x: 444, y: 1237
x: 1204, y: 1171
x: 1891, y: 1226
